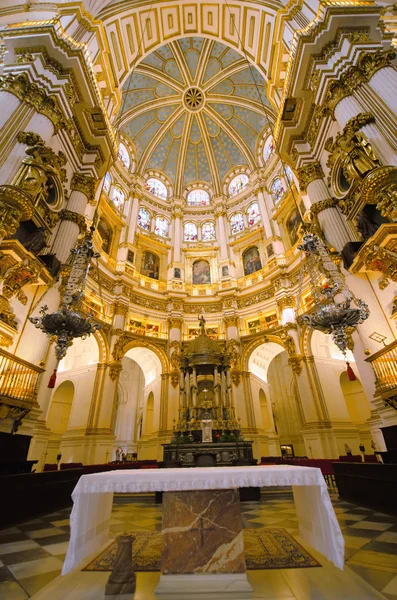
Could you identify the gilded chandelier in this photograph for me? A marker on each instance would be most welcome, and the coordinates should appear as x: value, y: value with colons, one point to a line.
x: 333, y: 313
x: 67, y: 323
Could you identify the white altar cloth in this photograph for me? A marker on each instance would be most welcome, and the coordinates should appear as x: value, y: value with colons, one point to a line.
x: 93, y: 498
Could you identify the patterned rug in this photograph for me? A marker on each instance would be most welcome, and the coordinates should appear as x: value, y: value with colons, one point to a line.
x: 272, y: 548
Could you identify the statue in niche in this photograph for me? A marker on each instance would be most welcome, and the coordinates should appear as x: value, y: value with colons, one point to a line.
x: 35, y: 242
x: 365, y: 226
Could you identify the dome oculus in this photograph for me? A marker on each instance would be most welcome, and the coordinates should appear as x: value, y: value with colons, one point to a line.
x: 194, y: 98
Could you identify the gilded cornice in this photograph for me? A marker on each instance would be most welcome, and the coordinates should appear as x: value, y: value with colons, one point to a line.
x: 35, y: 96
x: 84, y: 184
x: 368, y: 64
x: 74, y: 217
x: 308, y: 174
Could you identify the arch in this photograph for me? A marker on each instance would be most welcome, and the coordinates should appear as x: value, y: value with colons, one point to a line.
x: 148, y: 362
x: 103, y: 346
x: 149, y: 413
x: 82, y: 353
x: 60, y: 408
x: 263, y: 403
x: 261, y: 357
x: 249, y: 348
x: 159, y: 352
x: 356, y: 401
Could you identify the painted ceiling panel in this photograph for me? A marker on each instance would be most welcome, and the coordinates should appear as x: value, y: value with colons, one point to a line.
x: 187, y: 65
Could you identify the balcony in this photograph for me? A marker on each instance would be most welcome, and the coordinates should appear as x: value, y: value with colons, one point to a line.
x: 18, y: 386
x: 384, y: 364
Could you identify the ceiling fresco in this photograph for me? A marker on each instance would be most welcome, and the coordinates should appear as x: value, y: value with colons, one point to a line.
x: 194, y: 109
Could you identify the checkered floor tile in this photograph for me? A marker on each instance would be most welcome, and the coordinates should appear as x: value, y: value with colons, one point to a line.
x: 31, y: 554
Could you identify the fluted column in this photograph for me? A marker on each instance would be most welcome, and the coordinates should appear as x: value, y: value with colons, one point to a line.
x: 311, y: 180
x: 133, y: 220
x: 263, y: 210
x: 384, y: 83
x: 83, y: 188
x: 8, y: 105
x: 220, y: 214
x: 347, y: 109
x: 177, y: 215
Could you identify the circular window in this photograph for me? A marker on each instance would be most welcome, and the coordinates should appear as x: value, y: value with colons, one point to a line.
x: 194, y: 98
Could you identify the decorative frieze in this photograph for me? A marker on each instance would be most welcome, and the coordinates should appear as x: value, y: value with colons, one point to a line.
x: 308, y: 174
x: 84, y: 184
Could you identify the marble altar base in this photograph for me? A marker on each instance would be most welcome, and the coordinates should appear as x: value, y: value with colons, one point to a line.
x: 203, y: 544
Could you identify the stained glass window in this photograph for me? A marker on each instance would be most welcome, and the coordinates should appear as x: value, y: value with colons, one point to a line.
x: 208, y: 232
x: 157, y: 188
x: 277, y: 190
x: 144, y: 219
x: 198, y: 198
x: 238, y: 184
x: 107, y: 183
x: 123, y: 156
x: 288, y: 173
x: 118, y: 197
x: 269, y: 148
x: 161, y: 226
x: 236, y: 223
x: 253, y: 214
x: 190, y: 232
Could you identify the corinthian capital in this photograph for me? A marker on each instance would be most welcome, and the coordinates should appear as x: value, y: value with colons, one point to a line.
x: 308, y: 174
x: 84, y: 184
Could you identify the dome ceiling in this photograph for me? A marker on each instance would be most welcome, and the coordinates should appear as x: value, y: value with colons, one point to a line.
x: 193, y: 111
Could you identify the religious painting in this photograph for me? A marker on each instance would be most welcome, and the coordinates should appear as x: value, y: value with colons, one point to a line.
x: 105, y: 233
x: 251, y: 260
x: 150, y: 265
x: 201, y: 272
x: 292, y: 226
x: 177, y: 273
x: 225, y: 271
x: 130, y: 256
x: 270, y: 250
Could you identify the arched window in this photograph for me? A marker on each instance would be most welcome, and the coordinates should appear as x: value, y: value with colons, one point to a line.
x: 123, y: 156
x: 251, y: 260
x: 107, y: 182
x: 190, y: 232
x: 253, y: 213
x: 161, y: 226
x: 236, y: 223
x: 237, y: 184
x: 269, y: 148
x: 288, y: 173
x: 277, y: 190
x: 118, y: 197
x: 144, y: 219
x: 157, y: 188
x: 198, y: 198
x: 105, y: 233
x: 208, y: 231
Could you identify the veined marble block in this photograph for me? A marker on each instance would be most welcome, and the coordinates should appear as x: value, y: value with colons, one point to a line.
x: 202, y: 532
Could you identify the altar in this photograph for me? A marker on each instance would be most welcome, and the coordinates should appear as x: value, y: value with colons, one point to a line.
x: 93, y: 498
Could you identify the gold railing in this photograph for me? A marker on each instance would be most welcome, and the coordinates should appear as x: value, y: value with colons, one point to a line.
x: 162, y: 335
x: 384, y: 364
x: 18, y: 379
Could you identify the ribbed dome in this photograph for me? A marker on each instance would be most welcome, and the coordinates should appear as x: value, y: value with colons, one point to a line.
x: 194, y: 110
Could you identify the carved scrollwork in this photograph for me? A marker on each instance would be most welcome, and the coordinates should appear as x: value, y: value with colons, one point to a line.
x: 308, y: 174
x: 70, y: 215
x: 84, y: 184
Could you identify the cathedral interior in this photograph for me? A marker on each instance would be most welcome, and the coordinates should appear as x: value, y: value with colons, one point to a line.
x: 198, y: 250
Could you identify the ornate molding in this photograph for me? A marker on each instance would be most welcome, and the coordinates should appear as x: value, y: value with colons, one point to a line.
x: 74, y: 217
x: 368, y: 64
x: 29, y: 138
x: 119, y: 308
x: 35, y: 96
x: 295, y: 363
x: 380, y: 187
x: 115, y: 369
x: 231, y: 321
x: 15, y: 206
x: 84, y: 184
x: 318, y: 207
x: 287, y: 301
x: 308, y: 174
x: 175, y: 322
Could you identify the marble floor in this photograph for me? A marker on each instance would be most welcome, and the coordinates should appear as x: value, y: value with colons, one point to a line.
x: 32, y: 553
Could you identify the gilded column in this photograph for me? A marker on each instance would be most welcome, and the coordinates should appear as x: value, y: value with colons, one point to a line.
x: 72, y: 219
x: 311, y: 181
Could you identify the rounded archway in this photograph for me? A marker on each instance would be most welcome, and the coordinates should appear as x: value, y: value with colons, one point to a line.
x: 61, y: 405
x: 356, y: 401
